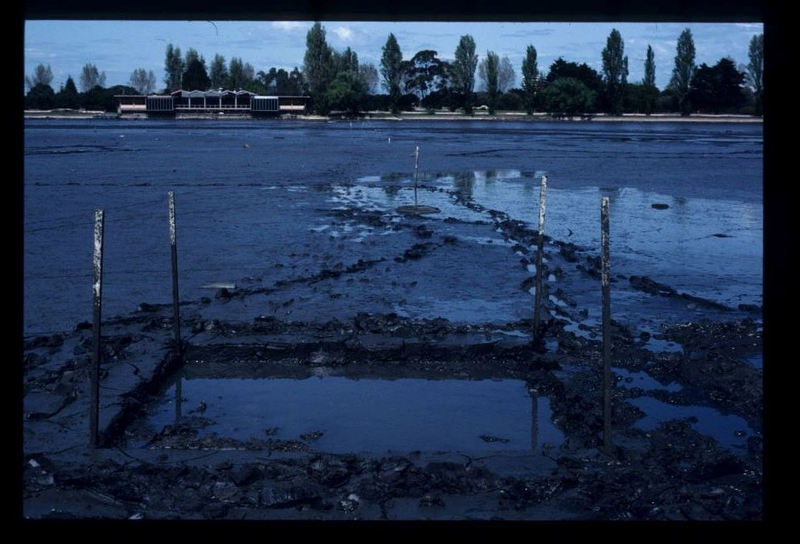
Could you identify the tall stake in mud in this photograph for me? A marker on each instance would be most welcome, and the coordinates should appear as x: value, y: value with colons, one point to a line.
x: 416, y: 173
x: 175, y: 296
x: 604, y: 243
x: 539, y: 250
x: 94, y: 415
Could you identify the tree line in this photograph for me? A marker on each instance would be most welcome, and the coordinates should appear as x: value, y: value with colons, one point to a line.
x: 337, y: 83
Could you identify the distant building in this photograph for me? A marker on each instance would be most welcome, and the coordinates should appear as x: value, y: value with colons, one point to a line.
x: 191, y: 103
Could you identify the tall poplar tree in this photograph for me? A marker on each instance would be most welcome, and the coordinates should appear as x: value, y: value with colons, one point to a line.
x: 649, y: 81
x: 463, y: 70
x: 392, y: 71
x: 318, y: 67
x: 173, y: 68
x: 755, y: 70
x: 530, y: 79
x: 615, y: 72
x: 218, y: 73
x: 489, y: 71
x: 683, y: 71
x: 240, y: 73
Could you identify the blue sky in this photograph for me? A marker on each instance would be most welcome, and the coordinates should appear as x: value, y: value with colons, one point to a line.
x: 117, y: 48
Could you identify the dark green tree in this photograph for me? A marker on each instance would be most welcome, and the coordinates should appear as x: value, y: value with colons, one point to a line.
x: 276, y: 81
x: 649, y: 82
x: 68, y: 97
x: 615, y: 71
x: 101, y: 99
x: 347, y: 61
x: 191, y: 54
x: 195, y: 77
x: 683, y: 71
x: 348, y: 88
x: 240, y: 73
x: 40, y: 97
x: 143, y: 81
x: 297, y: 83
x: 218, y: 73
x: 281, y: 82
x: 568, y: 96
x: 392, y: 71
x: 318, y: 67
x: 717, y: 89
x: 173, y: 68
x: 346, y: 92
x: 91, y: 78
x: 424, y: 73
x: 582, y: 72
x: 530, y: 79
x: 755, y: 71
x: 96, y: 99
x: 511, y: 101
x: 463, y: 71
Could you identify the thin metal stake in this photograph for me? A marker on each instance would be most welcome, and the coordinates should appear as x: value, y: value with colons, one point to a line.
x: 539, y: 251
x: 604, y: 242
x: 175, y: 296
x: 97, y: 288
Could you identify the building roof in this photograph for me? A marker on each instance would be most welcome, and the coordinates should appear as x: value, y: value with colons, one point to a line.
x: 209, y: 94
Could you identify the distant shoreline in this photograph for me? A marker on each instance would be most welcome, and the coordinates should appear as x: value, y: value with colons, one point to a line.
x: 421, y: 116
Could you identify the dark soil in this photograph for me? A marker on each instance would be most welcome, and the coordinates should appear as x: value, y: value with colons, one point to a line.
x: 670, y: 473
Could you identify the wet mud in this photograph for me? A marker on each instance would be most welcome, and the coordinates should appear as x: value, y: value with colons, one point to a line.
x: 670, y: 472
x: 322, y: 305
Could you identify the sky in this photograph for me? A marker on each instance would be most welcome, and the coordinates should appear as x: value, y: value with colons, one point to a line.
x: 118, y: 47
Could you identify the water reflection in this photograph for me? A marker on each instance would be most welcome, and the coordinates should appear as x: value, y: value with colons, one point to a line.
x: 464, y: 182
x: 369, y: 415
x: 673, y: 245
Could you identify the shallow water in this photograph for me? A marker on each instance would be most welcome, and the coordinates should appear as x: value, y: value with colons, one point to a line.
x: 257, y: 203
x: 356, y: 416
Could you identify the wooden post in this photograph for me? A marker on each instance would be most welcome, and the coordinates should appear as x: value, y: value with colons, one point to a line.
x: 604, y: 242
x: 97, y: 292
x: 539, y: 255
x: 534, y: 418
x: 176, y: 323
x: 416, y: 173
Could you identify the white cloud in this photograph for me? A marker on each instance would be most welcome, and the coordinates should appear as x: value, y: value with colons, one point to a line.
x: 289, y: 25
x: 344, y: 33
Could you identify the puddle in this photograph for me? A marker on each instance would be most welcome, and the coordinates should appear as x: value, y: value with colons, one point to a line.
x: 658, y: 345
x: 643, y: 380
x: 757, y: 360
x: 369, y: 416
x: 731, y: 432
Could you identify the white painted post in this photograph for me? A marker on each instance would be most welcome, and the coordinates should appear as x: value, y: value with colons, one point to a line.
x: 539, y: 256
x: 176, y: 325
x: 97, y: 295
